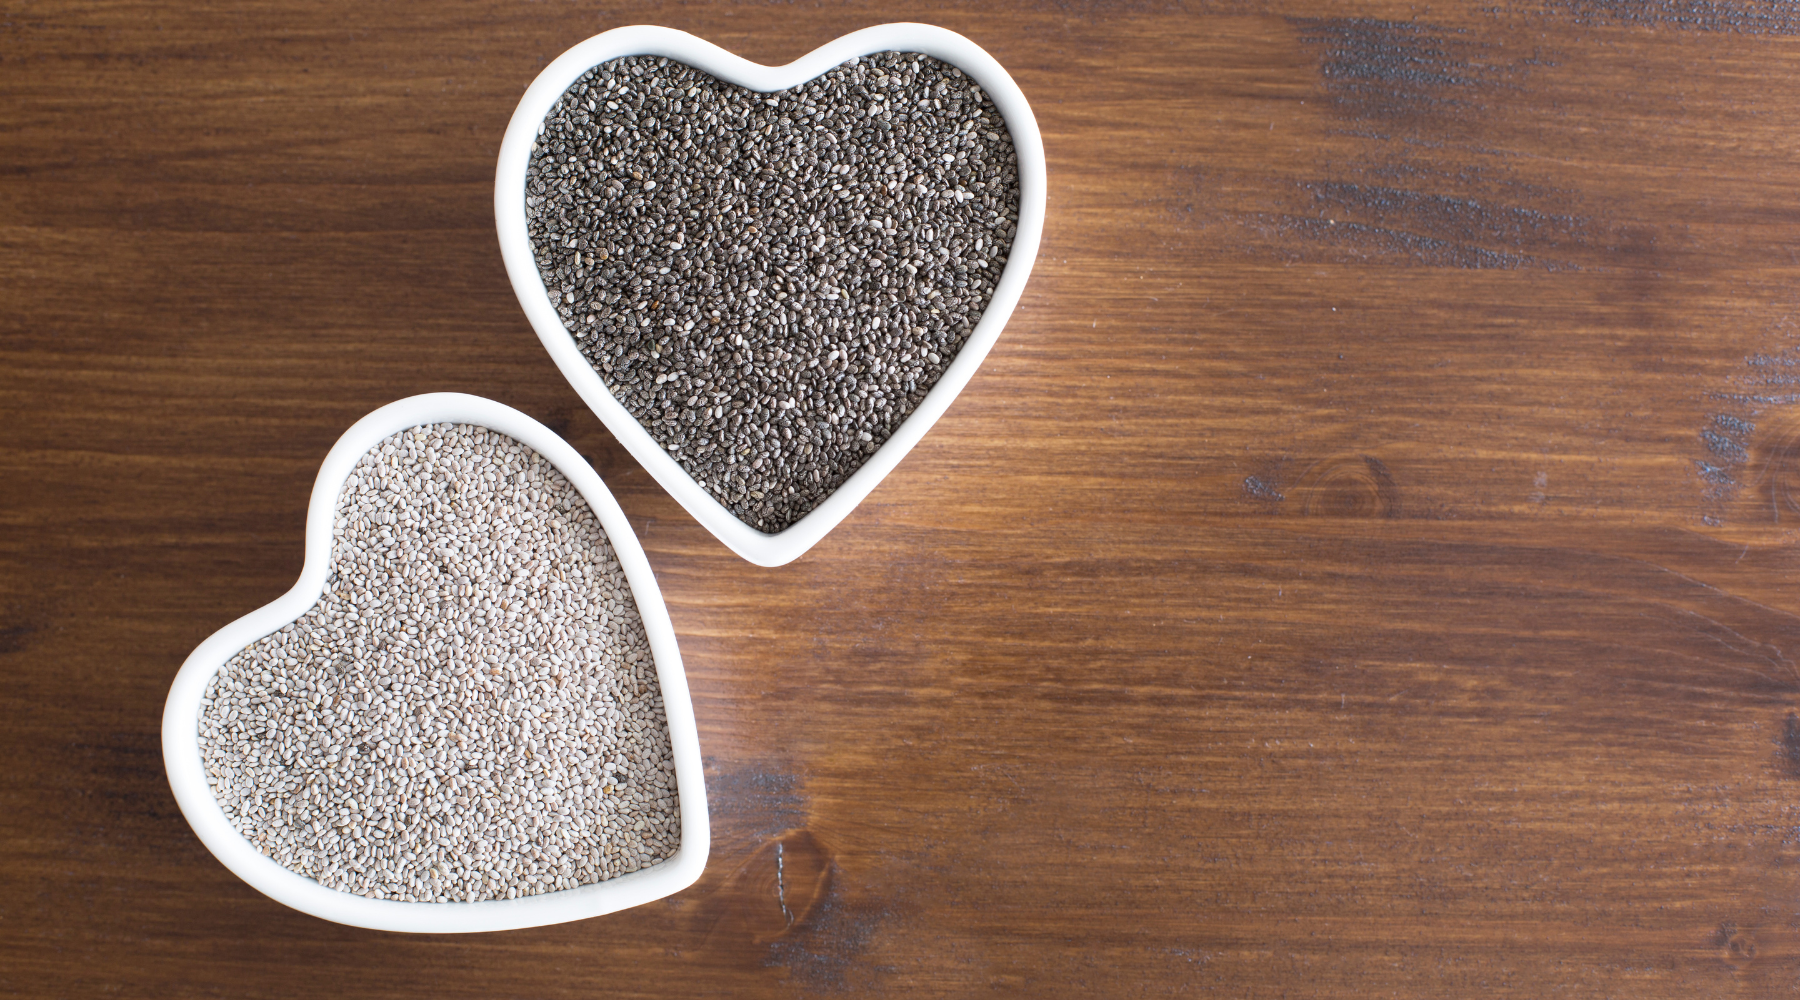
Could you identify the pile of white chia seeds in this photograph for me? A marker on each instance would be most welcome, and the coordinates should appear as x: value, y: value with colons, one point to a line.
x: 771, y: 283
x: 471, y: 711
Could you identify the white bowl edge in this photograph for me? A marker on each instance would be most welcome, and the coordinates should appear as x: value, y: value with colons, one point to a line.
x: 181, y: 713
x: 758, y: 547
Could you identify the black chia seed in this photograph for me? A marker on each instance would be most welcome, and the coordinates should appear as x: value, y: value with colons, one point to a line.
x: 770, y: 283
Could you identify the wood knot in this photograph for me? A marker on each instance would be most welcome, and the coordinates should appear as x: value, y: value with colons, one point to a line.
x: 772, y: 893
x: 1737, y: 945
x: 1779, y: 476
x: 1751, y: 472
x: 1349, y: 486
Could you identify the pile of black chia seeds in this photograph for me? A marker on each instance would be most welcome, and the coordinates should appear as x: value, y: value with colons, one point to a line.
x: 771, y: 283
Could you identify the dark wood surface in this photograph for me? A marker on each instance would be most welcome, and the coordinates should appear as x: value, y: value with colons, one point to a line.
x: 1364, y: 567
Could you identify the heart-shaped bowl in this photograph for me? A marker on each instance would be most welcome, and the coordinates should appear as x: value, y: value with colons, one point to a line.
x: 181, y: 714
x: 759, y: 547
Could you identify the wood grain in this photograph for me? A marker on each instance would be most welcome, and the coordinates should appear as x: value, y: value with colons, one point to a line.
x: 1364, y: 567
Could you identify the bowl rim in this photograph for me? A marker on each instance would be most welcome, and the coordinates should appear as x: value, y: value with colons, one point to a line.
x: 181, y: 713
x: 761, y: 548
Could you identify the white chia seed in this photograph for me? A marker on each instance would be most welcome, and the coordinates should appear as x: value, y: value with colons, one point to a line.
x: 771, y: 283
x: 471, y: 710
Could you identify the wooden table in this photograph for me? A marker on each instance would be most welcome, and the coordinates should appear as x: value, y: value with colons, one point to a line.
x: 1364, y: 567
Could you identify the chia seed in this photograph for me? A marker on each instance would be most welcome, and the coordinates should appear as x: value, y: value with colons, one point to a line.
x: 771, y: 283
x: 471, y: 710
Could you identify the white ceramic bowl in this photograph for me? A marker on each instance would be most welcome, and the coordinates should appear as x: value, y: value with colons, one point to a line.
x: 515, y: 246
x: 181, y: 715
